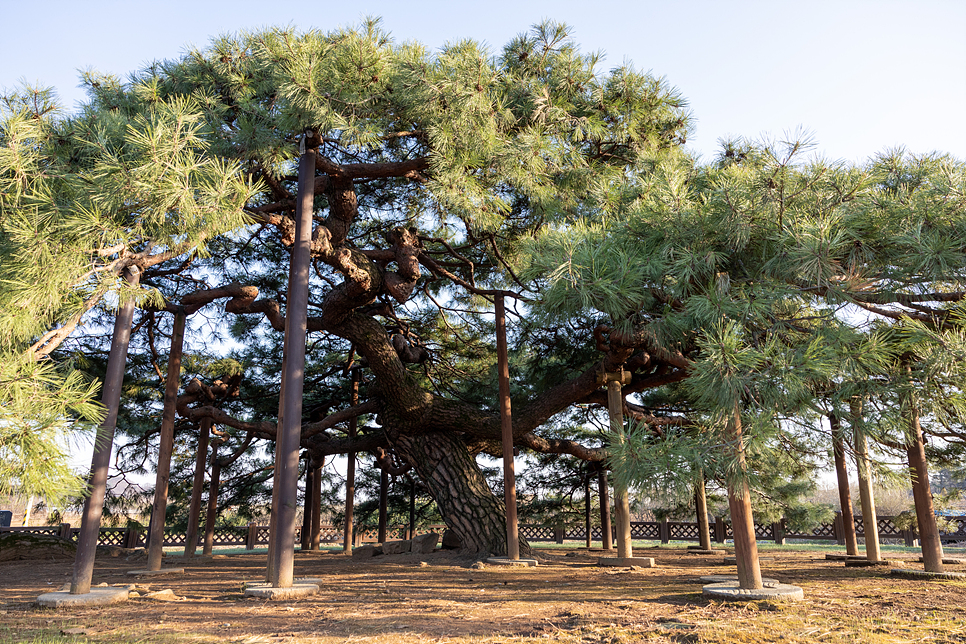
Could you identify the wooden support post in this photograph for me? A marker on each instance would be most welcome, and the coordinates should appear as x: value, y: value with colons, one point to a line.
x: 289, y: 432
x: 842, y: 475
x: 197, y: 485
x: 838, y: 529
x: 103, y: 445
x: 172, y: 381
x: 350, y: 477
x: 559, y: 532
x: 863, y: 470
x: 212, y: 513
x: 315, y: 524
x: 622, y: 511
x: 720, y: 530
x: 664, y: 531
x: 252, y: 537
x: 383, y: 505
x: 305, y: 537
x: 412, y: 507
x: 701, y: 506
x: 606, y: 535
x: 587, y: 526
x: 778, y: 531
x: 742, y: 521
x: 506, y: 425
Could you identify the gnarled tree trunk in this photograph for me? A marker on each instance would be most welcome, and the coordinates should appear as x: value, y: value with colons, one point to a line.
x: 469, y: 507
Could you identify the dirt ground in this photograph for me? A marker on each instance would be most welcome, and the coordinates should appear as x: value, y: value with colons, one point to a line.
x: 442, y: 597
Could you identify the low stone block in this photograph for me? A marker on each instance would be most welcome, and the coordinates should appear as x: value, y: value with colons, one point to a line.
x: 506, y: 561
x: 626, y: 562
x: 865, y: 563
x: 396, y: 547
x: 277, y: 594
x: 451, y: 540
x: 424, y: 543
x: 23, y: 545
x: 366, y: 552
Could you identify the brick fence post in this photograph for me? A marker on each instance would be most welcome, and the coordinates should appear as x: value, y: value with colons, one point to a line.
x: 838, y: 529
x: 719, y: 530
x: 911, y: 538
x: 778, y: 531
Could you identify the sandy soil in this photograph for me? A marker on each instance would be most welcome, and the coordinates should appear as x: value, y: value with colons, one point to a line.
x: 440, y: 596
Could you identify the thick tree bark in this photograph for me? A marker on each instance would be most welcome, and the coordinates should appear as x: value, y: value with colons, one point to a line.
x: 742, y: 521
x: 467, y: 504
x: 932, y: 548
x: 842, y: 475
x: 194, y: 510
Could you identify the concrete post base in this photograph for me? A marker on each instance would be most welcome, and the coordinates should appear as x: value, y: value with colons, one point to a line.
x: 922, y: 574
x: 729, y: 591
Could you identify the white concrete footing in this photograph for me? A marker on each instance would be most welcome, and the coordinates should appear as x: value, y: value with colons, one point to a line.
x: 100, y: 596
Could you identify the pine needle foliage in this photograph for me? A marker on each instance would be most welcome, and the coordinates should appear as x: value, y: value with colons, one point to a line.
x: 81, y: 197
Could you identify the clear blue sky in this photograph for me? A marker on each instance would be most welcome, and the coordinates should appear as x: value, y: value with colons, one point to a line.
x: 860, y: 75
